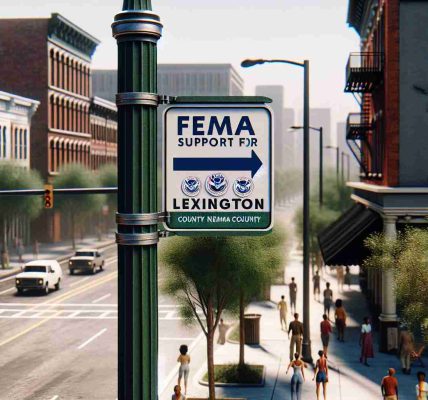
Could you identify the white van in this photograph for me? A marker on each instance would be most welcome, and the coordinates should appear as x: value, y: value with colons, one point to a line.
x: 40, y: 275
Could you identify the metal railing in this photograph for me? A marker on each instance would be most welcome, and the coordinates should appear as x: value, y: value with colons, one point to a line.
x: 364, y: 71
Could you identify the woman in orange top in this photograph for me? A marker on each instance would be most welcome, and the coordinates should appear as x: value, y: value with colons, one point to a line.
x: 340, y: 316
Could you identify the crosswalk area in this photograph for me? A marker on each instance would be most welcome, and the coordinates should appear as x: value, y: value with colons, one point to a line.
x: 67, y: 311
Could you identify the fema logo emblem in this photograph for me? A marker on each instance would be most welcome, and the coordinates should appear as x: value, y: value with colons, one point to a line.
x: 191, y: 186
x: 243, y: 187
x: 216, y: 185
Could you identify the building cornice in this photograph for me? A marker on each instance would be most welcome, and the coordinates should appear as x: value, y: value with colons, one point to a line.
x: 63, y: 30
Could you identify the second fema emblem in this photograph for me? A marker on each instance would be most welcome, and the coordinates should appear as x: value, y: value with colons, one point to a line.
x: 243, y: 187
x: 191, y: 186
x: 216, y: 184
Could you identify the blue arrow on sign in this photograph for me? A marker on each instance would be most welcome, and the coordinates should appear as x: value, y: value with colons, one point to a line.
x: 252, y: 164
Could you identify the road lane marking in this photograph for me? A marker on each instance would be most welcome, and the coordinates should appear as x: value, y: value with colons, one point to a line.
x: 92, y: 338
x: 102, y: 298
x: 65, y: 296
x: 80, y: 281
x: 55, y: 397
x: 8, y: 290
x: 29, y: 329
x: 179, y: 339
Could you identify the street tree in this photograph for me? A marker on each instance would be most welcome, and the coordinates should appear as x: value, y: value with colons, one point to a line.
x: 15, y: 177
x: 108, y: 178
x: 77, y: 207
x: 202, y: 280
x: 257, y: 262
x: 407, y: 257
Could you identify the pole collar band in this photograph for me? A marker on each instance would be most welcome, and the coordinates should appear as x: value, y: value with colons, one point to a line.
x: 137, y: 239
x: 138, y: 219
x: 139, y: 98
x: 137, y: 25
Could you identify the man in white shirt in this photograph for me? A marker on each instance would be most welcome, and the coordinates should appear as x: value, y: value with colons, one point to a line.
x: 421, y: 387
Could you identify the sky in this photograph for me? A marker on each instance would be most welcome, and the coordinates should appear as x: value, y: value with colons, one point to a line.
x: 228, y: 31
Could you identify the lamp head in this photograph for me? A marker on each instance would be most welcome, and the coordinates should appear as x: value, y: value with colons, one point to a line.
x: 296, y: 127
x: 250, y: 63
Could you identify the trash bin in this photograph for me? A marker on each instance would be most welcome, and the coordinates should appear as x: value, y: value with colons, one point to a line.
x: 252, y: 328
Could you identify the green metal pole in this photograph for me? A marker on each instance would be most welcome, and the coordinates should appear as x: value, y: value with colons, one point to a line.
x: 137, y: 31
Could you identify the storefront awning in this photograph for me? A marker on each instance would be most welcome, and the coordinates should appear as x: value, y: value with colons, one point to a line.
x: 342, y: 243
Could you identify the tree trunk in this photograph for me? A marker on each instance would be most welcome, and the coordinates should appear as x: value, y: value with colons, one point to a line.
x: 241, y: 329
x: 210, y: 349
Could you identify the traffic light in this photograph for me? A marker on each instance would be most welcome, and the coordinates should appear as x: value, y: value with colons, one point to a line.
x: 48, y: 196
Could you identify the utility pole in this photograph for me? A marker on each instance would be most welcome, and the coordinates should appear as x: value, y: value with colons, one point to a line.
x: 137, y: 31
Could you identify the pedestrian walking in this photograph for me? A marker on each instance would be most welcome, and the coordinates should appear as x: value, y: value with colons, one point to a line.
x: 36, y: 248
x: 421, y: 387
x: 405, y: 349
x: 4, y: 259
x: 340, y: 318
x: 321, y: 375
x: 328, y: 299
x: 316, y: 280
x: 20, y: 250
x: 296, y: 329
x: 183, y: 371
x: 340, y: 278
x: 325, y: 328
x: 298, y: 376
x: 389, y: 386
x: 292, y: 287
x: 366, y: 341
x: 282, y: 307
x: 347, y: 279
x: 222, y: 330
x: 177, y: 393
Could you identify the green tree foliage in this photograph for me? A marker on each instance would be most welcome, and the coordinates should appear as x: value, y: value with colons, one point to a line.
x: 16, y: 177
x: 77, y: 207
x: 207, y: 274
x: 336, y: 199
x: 287, y: 185
x: 407, y: 257
x: 108, y: 178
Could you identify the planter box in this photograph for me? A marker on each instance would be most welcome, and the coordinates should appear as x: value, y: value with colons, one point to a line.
x: 220, y: 384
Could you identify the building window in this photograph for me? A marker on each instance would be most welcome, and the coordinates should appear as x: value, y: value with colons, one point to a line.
x: 52, y: 153
x: 4, y: 143
x: 25, y: 144
x: 16, y: 143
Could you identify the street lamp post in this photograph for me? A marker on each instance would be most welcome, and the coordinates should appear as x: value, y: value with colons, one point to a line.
x: 137, y: 30
x: 306, y: 346
x: 337, y: 160
x: 321, y: 161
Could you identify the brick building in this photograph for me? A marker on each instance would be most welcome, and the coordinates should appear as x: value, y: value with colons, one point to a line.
x: 103, y: 119
x: 388, y: 138
x: 49, y: 59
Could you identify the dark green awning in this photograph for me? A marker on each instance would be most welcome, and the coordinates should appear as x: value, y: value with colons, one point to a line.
x: 342, y: 243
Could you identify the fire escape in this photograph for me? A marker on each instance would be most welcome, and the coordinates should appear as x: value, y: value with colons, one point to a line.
x: 364, y: 73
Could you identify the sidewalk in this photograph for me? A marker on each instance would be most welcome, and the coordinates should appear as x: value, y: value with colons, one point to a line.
x: 60, y: 250
x: 348, y: 379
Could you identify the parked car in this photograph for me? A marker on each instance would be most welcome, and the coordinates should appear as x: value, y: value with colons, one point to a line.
x: 86, y: 260
x: 40, y: 275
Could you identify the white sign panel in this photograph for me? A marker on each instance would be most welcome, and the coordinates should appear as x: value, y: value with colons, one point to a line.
x: 218, y: 167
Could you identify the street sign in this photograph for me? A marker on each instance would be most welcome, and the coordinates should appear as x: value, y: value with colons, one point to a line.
x: 218, y: 167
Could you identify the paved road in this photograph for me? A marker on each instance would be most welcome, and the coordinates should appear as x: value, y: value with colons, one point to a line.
x: 64, y: 346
